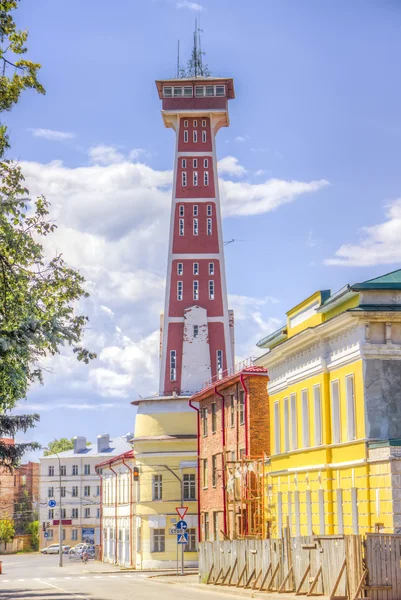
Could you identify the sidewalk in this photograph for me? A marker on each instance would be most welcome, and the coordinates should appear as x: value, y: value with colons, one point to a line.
x: 192, y: 581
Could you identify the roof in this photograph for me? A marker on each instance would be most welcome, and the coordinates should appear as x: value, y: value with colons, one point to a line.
x: 377, y: 308
x: 166, y: 437
x: 251, y: 370
x: 115, y: 459
x: 117, y: 446
x: 158, y: 398
x: 198, y: 81
x: 277, y: 335
x: 389, y: 281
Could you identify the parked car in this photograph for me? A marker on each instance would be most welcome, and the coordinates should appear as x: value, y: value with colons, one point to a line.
x: 77, y: 548
x: 66, y: 549
x: 52, y: 549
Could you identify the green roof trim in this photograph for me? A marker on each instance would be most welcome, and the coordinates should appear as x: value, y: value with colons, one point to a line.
x: 389, y: 281
x: 376, y: 308
x: 384, y: 443
x: 272, y: 336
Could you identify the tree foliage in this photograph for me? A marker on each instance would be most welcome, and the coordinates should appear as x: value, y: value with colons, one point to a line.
x: 7, y: 530
x: 33, y: 529
x: 60, y: 445
x: 38, y: 296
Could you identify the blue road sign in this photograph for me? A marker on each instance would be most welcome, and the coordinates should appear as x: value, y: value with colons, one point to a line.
x: 182, y: 526
x: 46, y: 534
x: 52, y: 503
x: 182, y: 538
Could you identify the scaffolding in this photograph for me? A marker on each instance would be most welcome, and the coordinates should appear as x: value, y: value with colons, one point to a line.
x: 246, y: 497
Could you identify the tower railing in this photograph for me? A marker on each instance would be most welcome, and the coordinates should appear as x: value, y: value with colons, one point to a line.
x: 248, y: 362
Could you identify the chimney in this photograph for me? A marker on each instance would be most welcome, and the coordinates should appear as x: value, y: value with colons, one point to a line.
x: 79, y: 444
x: 103, y: 442
x: 128, y: 437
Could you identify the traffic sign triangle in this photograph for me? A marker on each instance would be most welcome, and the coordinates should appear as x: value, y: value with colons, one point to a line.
x: 182, y: 538
x: 182, y: 511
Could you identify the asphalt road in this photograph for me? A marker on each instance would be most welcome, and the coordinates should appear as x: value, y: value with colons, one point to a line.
x: 36, y: 577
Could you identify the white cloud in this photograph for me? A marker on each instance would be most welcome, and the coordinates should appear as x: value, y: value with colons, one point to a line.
x: 380, y: 244
x: 229, y: 165
x: 105, y: 155
x: 190, y: 5
x: 53, y: 135
x: 107, y: 311
x: 243, y: 198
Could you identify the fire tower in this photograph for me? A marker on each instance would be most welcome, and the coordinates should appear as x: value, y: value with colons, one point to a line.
x: 197, y: 339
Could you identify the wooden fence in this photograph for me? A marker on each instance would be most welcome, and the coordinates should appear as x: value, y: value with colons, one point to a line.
x: 326, y: 565
x: 383, y: 576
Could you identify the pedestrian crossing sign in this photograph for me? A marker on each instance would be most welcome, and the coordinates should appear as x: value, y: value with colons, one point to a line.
x: 182, y: 538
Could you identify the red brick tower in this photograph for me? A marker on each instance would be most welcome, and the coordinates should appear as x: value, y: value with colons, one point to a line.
x: 197, y: 329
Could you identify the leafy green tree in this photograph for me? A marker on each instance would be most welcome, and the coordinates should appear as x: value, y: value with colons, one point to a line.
x: 7, y: 530
x: 33, y: 529
x: 60, y: 445
x: 38, y: 296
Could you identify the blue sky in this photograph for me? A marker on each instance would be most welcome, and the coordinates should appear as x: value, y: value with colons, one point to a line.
x: 310, y: 176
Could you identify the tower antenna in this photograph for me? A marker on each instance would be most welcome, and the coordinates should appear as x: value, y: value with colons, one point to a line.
x: 178, y: 60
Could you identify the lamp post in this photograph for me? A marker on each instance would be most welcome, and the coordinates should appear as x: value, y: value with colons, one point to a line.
x: 60, y: 529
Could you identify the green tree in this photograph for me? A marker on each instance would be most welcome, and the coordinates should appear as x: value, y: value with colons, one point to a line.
x: 60, y: 445
x: 7, y: 530
x: 38, y: 296
x: 33, y: 529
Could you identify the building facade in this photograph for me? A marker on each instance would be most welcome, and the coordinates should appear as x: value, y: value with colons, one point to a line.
x: 197, y: 341
x: 71, y: 479
x: 117, y: 510
x: 335, y: 408
x: 233, y: 442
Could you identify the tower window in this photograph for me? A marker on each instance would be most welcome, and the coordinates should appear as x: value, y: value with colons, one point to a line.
x: 199, y: 90
x: 204, y: 123
x: 179, y: 290
x: 209, y: 210
x: 184, y: 163
x: 173, y: 365
x: 196, y: 230
x: 206, y: 177
x: 196, y: 331
x: 195, y: 163
x: 181, y: 210
x: 209, y: 90
x: 181, y: 226
x: 185, y: 136
x: 196, y: 290
x: 211, y: 290
x: 188, y: 91
x: 209, y: 227
x: 203, y: 136
x: 184, y: 179
x: 195, y: 123
x: 220, y: 90
x: 206, y: 163
x: 195, y: 210
x: 220, y: 361
x: 185, y: 123
x: 168, y: 92
x: 195, y: 136
x: 195, y: 176
x: 211, y: 268
x: 196, y: 268
x: 180, y: 268
x: 177, y: 92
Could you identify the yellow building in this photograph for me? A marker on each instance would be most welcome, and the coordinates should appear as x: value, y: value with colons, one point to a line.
x: 165, y: 448
x: 335, y: 410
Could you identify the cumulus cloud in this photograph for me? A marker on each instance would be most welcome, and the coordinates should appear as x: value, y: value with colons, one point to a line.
x: 380, y: 244
x: 190, y: 5
x: 53, y: 135
x: 229, y: 165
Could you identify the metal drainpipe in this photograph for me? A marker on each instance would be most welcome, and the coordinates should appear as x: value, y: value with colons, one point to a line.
x: 246, y: 437
x: 101, y: 513
x: 130, y: 511
x: 223, y: 440
x: 199, y: 475
x: 115, y: 549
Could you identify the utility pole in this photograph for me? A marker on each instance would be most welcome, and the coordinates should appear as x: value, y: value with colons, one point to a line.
x: 60, y: 529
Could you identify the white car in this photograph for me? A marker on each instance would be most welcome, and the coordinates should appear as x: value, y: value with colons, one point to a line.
x: 52, y: 549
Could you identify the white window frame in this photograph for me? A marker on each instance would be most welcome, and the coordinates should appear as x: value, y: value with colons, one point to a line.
x: 204, y: 123
x: 293, y: 418
x: 195, y: 178
x: 188, y: 91
x: 195, y: 210
x: 195, y: 163
x: 195, y: 289
x: 209, y: 210
x: 168, y: 94
x: 75, y: 469
x: 74, y: 535
x: 195, y: 123
x: 206, y: 163
x: 185, y: 123
x: 181, y: 227
x: 184, y: 179
x: 350, y: 402
x: 87, y: 512
x: 195, y: 136
x: 51, y: 471
x: 196, y: 227
x: 219, y: 361
x: 178, y: 92
x: 189, y: 491
x: 185, y: 136
x: 277, y: 432
x: 184, y: 163
x: 181, y: 210
x: 209, y: 91
x: 317, y: 409
x: 211, y: 268
x: 74, y: 513
x: 206, y: 178
x: 50, y: 492
x: 157, y: 487
x: 335, y: 411
x: 180, y: 290
x: 211, y: 289
x: 87, y: 490
x: 286, y: 425
x: 204, y: 137
x: 209, y: 226
x: 305, y: 419
x: 158, y: 540
x: 173, y: 365
x: 74, y: 491
x: 196, y: 268
x: 180, y: 268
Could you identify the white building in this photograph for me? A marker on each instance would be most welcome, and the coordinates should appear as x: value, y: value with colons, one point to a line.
x: 79, y: 492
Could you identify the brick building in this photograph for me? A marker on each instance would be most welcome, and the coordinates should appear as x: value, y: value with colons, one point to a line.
x: 26, y: 500
x: 8, y: 488
x: 232, y: 444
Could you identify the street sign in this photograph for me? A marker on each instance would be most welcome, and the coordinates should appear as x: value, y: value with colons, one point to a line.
x: 181, y: 526
x: 45, y: 534
x: 52, y: 503
x: 182, y: 511
x: 182, y: 538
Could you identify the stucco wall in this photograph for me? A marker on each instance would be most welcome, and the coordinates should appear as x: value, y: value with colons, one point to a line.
x: 382, y: 383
